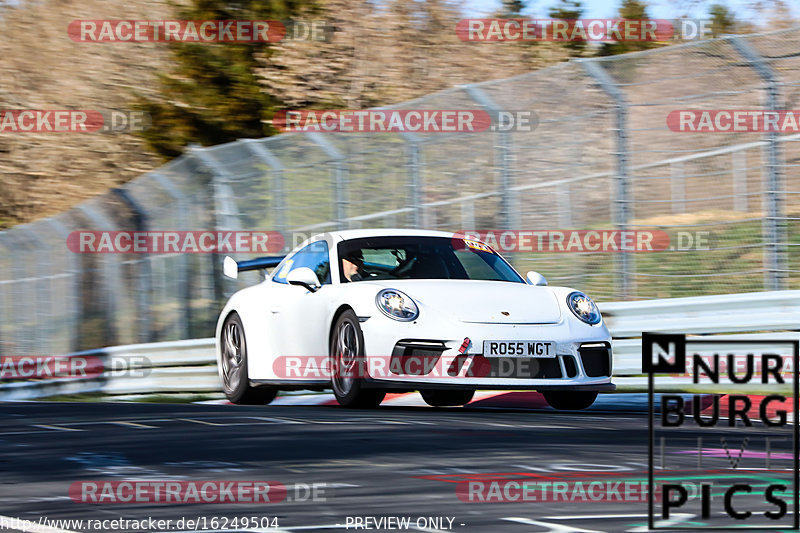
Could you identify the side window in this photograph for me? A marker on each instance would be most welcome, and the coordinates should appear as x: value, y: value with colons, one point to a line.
x: 318, y: 260
x: 314, y: 256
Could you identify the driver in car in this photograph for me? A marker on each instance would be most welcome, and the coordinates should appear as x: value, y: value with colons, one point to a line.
x: 351, y: 266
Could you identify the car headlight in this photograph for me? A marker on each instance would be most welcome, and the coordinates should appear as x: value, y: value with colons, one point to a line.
x: 396, y: 305
x: 584, y: 308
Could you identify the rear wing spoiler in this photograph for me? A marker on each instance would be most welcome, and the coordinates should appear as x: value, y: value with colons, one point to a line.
x: 231, y: 268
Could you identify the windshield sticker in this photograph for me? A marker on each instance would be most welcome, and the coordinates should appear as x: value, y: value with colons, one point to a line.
x: 286, y: 268
x: 475, y: 245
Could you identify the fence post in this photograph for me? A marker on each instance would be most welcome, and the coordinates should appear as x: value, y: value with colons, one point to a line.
x: 774, y: 226
x: 277, y: 168
x: 144, y: 288
x: 564, y: 199
x: 678, y: 187
x: 467, y: 215
x: 226, y: 215
x: 504, y: 155
x: 340, y: 177
x: 111, y: 274
x: 179, y: 199
x: 739, y: 164
x: 413, y: 169
x: 625, y: 261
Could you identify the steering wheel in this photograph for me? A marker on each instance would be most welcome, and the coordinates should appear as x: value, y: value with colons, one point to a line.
x: 403, y: 268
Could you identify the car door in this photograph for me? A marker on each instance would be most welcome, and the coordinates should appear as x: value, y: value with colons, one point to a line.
x: 299, y: 316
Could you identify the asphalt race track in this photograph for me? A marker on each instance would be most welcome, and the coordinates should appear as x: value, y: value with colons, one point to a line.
x: 394, y: 461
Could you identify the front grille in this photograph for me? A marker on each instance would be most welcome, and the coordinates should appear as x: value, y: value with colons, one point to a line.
x: 415, y: 347
x: 596, y: 359
x: 570, y: 366
x: 416, y: 357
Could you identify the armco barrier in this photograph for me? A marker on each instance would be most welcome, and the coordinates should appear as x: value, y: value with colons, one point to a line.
x: 189, y: 366
x: 186, y: 366
x: 776, y: 311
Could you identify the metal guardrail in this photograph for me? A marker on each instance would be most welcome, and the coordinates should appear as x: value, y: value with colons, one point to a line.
x: 189, y: 366
x: 775, y: 311
x: 186, y: 366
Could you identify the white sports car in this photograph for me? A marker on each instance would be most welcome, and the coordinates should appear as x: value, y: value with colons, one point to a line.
x: 368, y: 311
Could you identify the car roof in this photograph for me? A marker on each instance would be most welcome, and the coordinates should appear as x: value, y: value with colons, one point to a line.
x: 334, y: 237
x: 345, y: 235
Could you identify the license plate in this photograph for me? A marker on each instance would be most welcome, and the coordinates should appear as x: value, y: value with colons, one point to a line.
x: 539, y: 349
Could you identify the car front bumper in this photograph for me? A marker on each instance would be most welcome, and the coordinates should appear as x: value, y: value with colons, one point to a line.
x: 578, y: 364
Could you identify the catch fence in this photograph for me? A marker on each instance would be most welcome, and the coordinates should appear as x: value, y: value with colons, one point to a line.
x: 601, y: 157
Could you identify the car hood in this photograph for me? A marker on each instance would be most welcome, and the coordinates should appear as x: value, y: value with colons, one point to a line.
x: 489, y: 302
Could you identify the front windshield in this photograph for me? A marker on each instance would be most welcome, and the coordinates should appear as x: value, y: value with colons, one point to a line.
x: 387, y: 258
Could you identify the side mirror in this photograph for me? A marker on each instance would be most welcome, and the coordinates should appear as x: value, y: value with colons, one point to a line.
x: 304, y: 277
x: 230, y: 268
x: 534, y: 278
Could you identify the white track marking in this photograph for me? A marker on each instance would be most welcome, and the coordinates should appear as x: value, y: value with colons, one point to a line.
x: 595, y: 516
x: 132, y: 424
x: 551, y: 528
x: 200, y: 422
x: 277, y: 420
x: 55, y: 428
x: 20, y: 433
x: 34, y: 500
x: 679, y: 518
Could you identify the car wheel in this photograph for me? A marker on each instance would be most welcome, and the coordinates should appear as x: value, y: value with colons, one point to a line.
x: 446, y: 398
x: 235, y: 383
x: 347, y: 362
x: 570, y: 400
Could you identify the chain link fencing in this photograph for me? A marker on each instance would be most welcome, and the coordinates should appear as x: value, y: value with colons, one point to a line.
x: 600, y: 157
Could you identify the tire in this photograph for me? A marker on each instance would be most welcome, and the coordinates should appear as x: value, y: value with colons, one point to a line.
x: 347, y: 357
x: 447, y: 398
x: 233, y: 366
x: 570, y: 400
